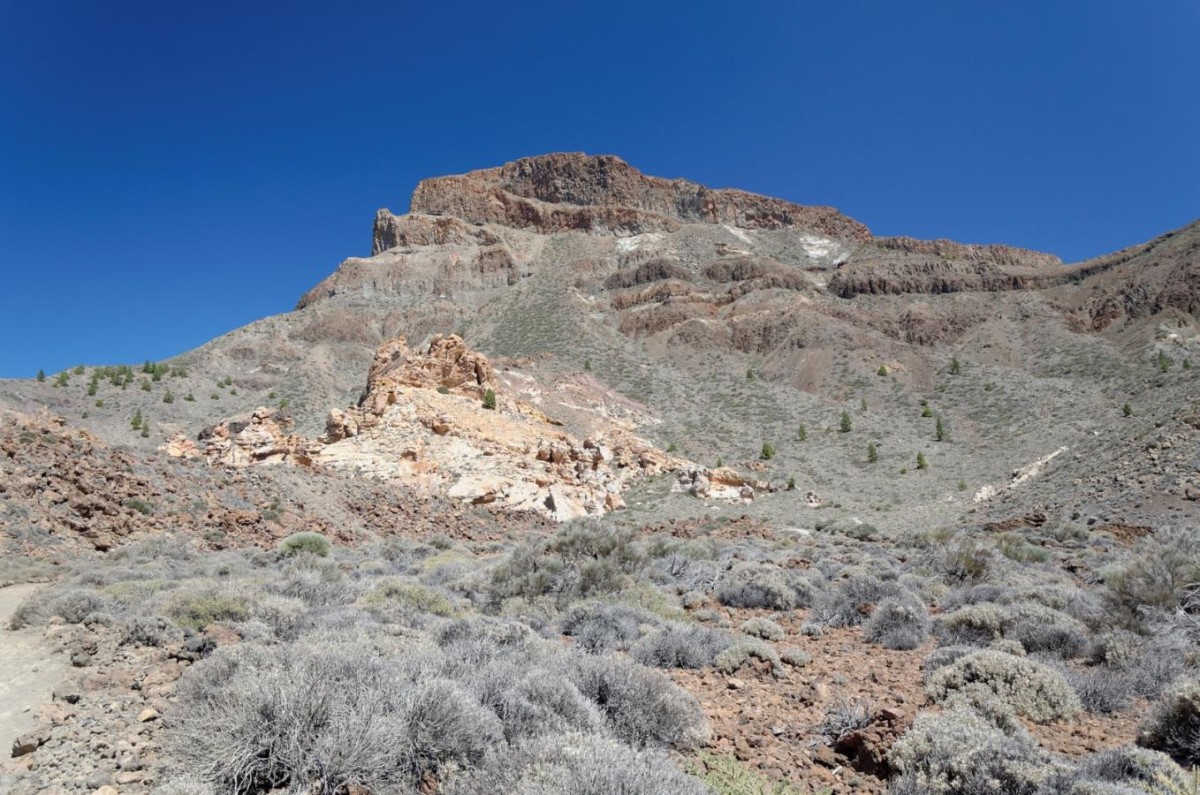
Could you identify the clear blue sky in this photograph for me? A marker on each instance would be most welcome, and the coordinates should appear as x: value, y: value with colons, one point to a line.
x: 170, y: 171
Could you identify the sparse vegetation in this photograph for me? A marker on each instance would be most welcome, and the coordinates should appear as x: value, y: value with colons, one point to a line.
x: 305, y: 542
x: 489, y: 399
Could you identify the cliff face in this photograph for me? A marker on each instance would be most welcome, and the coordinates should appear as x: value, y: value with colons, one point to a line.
x: 573, y: 191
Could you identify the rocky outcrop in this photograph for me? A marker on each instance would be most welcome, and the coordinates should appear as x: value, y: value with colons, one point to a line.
x: 262, y: 437
x: 573, y: 191
x: 392, y: 231
x: 426, y: 420
x: 897, y: 265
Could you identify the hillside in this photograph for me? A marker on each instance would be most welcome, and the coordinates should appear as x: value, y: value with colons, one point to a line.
x: 671, y: 426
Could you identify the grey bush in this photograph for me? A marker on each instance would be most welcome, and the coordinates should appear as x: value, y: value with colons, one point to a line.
x: 960, y: 752
x: 1137, y: 768
x: 758, y: 585
x: 1029, y: 688
x: 900, y: 622
x: 679, y: 645
x: 305, y: 542
x: 579, y: 764
x: 584, y: 559
x: 599, y: 627
x: 74, y: 605
x: 1157, y: 574
x: 737, y: 655
x: 641, y: 706
x: 251, y: 718
x: 1173, y: 726
x: 945, y: 655
x: 851, y: 601
x: 150, y: 631
x: 1038, y: 628
x: 1102, y: 690
x: 764, y: 628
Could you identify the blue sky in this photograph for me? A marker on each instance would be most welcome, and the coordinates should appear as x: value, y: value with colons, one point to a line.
x: 171, y: 171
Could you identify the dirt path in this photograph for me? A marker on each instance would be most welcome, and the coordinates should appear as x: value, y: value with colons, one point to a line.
x: 29, y: 670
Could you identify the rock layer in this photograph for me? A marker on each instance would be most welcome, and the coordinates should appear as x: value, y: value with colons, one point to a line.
x: 573, y: 191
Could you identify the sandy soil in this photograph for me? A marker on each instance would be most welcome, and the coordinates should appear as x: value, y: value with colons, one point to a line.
x: 29, y: 669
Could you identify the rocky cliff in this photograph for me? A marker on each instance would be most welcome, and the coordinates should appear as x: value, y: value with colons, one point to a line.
x: 573, y: 191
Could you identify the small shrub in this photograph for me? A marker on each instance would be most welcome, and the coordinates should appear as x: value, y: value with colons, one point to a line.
x: 725, y: 775
x: 898, y: 623
x: 641, y: 706
x: 882, y: 371
x: 679, y: 645
x: 763, y: 628
x: 966, y: 561
x: 489, y: 399
x: 1173, y: 726
x: 305, y: 542
x: 196, y: 610
x: 1100, y: 690
x: 599, y: 627
x: 409, y: 597
x: 921, y: 462
x: 845, y: 424
x: 1137, y: 770
x: 758, y: 585
x: 940, y: 430
x: 1127, y: 410
x: 1160, y: 569
x: 737, y: 655
x: 768, y: 452
x: 843, y: 717
x: 141, y: 506
x: 74, y: 605
x: 872, y: 453
x: 801, y: 433
x: 960, y: 752
x: 1029, y: 688
x: 575, y: 764
x: 797, y: 658
x: 150, y: 631
x: 955, y: 366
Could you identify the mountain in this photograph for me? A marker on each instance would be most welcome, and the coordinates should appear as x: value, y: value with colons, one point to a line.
x: 730, y: 320
x: 611, y: 464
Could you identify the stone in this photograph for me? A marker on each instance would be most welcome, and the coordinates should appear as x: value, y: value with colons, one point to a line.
x: 28, y: 743
x: 148, y: 715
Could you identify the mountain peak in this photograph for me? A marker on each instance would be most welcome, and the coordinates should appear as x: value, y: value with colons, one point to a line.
x: 602, y: 193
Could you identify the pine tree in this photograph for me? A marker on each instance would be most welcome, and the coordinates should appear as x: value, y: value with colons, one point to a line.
x: 921, y: 462
x: 872, y: 453
x: 136, y: 422
x: 801, y: 433
x: 845, y: 422
x: 940, y: 430
x: 41, y: 376
x: 955, y: 366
